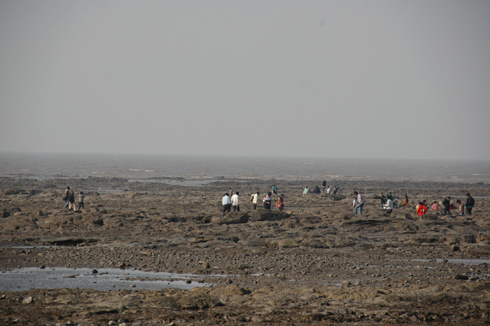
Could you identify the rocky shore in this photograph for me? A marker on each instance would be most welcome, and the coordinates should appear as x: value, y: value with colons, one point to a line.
x: 315, y: 263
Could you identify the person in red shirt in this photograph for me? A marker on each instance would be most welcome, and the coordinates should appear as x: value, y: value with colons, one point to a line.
x: 421, y: 209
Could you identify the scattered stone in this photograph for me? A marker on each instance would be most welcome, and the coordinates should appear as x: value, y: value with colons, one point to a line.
x: 27, y: 300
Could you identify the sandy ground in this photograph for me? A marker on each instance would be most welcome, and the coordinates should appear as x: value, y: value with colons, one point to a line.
x: 313, y: 264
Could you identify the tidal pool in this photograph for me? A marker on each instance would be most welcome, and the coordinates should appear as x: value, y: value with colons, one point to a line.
x: 103, y: 279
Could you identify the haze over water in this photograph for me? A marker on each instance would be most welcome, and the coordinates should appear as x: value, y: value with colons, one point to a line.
x: 159, y: 167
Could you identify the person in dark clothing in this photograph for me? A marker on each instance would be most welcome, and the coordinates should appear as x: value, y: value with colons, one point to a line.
x: 383, y: 200
x: 268, y: 200
x: 470, y: 202
x: 447, y: 206
x: 71, y: 199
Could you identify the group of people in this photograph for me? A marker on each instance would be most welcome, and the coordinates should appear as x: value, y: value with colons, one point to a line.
x: 229, y: 202
x: 462, y: 208
x: 69, y: 198
x: 233, y: 201
x: 388, y: 202
x: 325, y: 190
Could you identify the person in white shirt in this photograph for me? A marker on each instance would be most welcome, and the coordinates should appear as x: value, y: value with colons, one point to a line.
x: 226, y: 203
x: 328, y: 190
x: 388, y: 205
x: 360, y: 203
x: 234, y: 202
x: 255, y: 198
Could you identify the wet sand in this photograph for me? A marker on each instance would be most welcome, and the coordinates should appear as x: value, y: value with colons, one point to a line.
x: 315, y: 263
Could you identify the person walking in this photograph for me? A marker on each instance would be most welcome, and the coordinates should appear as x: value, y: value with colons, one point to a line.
x: 71, y: 201
x: 226, y: 203
x: 66, y: 197
x: 360, y: 203
x: 234, y: 202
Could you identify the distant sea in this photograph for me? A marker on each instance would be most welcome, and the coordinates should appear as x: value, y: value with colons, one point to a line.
x: 162, y: 168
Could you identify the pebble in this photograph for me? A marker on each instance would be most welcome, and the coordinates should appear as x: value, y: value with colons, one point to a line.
x: 27, y: 300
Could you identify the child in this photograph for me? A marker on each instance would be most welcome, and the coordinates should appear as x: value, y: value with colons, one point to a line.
x: 460, y: 207
x: 280, y: 203
x: 435, y: 206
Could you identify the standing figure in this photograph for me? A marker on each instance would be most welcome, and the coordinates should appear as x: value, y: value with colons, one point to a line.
x: 360, y: 203
x: 435, y: 206
x: 66, y: 197
x: 470, y: 202
x: 234, y: 202
x: 306, y: 190
x: 280, y: 203
x: 71, y: 200
x: 460, y: 207
x: 328, y: 190
x: 255, y: 198
x: 274, y: 189
x: 267, y: 201
x: 447, y: 205
x: 81, y: 203
x: 382, y: 200
x: 226, y: 203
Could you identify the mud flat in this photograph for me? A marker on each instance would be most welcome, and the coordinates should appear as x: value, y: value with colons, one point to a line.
x: 315, y: 263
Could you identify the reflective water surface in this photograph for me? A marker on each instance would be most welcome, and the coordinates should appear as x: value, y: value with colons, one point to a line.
x: 103, y: 279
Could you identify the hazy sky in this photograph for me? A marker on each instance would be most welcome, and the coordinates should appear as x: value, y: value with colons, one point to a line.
x: 340, y: 78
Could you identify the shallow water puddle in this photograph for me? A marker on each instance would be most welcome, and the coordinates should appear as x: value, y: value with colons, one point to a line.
x: 103, y: 279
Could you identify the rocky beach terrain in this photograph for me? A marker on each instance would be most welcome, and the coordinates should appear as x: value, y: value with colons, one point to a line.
x: 315, y: 263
